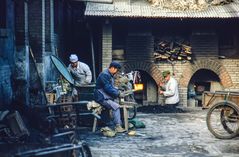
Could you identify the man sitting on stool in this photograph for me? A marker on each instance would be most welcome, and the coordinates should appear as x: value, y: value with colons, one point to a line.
x: 105, y: 93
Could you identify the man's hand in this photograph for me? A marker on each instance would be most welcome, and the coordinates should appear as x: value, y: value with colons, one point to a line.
x: 160, y: 92
x: 121, y: 94
x: 161, y: 84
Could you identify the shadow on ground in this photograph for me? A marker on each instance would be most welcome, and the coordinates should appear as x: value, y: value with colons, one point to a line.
x: 160, y: 109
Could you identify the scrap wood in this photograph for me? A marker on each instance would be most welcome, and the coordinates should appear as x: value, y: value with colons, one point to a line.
x: 172, y: 51
x: 196, y: 5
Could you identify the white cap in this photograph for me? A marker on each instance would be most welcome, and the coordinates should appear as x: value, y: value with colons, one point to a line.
x: 73, y: 58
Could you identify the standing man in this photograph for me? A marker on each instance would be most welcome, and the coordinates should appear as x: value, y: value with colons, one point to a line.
x: 105, y: 93
x: 80, y: 72
x: 170, y: 90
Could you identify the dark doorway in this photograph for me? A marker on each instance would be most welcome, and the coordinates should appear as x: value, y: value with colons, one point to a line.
x: 81, y: 36
x: 202, y: 80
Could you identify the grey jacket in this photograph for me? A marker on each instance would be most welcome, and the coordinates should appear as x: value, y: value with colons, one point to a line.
x: 81, y: 74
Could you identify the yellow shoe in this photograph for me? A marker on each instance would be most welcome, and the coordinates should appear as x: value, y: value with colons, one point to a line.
x: 119, y: 129
x: 132, y: 133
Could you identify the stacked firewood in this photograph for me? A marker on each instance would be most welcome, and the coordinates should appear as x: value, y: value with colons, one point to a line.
x: 221, y: 2
x: 180, y: 4
x: 196, y: 5
x: 173, y: 51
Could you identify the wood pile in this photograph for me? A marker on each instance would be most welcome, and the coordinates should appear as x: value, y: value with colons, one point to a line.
x: 173, y: 51
x: 180, y: 4
x: 221, y: 2
x: 196, y: 5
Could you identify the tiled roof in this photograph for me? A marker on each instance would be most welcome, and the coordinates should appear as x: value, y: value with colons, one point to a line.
x: 123, y: 8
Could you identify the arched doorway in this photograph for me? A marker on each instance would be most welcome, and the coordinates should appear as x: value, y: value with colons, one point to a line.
x: 149, y: 95
x: 151, y: 76
x: 202, y: 80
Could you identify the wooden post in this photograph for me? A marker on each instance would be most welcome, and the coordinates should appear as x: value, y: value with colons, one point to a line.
x: 94, y: 124
x: 126, y: 122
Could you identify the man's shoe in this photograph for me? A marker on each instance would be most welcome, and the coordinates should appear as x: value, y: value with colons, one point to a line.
x: 119, y: 129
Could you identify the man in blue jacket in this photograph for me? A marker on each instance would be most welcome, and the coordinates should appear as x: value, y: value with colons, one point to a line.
x: 105, y: 93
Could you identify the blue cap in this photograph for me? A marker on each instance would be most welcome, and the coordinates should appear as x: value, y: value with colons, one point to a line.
x: 115, y: 65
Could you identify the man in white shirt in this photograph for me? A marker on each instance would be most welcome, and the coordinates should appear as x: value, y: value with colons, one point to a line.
x: 170, y: 90
x: 80, y: 72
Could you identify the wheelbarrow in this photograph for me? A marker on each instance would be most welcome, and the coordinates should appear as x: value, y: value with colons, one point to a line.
x: 223, y: 115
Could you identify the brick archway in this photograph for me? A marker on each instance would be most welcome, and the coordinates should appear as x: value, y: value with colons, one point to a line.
x: 148, y: 67
x: 214, y: 66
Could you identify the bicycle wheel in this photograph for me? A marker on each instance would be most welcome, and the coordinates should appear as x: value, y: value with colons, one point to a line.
x: 132, y: 112
x: 223, y: 120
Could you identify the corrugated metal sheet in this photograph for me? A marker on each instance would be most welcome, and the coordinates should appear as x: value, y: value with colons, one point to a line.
x: 123, y: 8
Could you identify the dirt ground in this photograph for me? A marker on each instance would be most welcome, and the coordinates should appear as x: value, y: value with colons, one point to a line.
x: 181, y: 133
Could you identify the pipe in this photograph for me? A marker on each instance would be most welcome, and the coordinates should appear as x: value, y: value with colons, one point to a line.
x: 92, y: 54
x: 52, y: 27
x: 43, y: 39
x: 27, y: 67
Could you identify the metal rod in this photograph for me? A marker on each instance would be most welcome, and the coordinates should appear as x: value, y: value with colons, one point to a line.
x: 58, y: 150
x: 27, y: 67
x: 92, y: 54
x: 68, y: 103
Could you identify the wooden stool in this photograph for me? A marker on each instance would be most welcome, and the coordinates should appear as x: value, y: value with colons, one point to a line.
x: 126, y: 115
x: 126, y: 106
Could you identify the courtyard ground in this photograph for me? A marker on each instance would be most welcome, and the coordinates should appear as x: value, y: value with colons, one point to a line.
x: 182, y: 134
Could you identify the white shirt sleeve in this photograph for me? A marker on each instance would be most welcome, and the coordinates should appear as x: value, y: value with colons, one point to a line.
x: 170, y: 88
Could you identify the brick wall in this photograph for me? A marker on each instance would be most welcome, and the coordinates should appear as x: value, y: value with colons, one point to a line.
x: 7, y: 50
x: 139, y: 46
x: 106, y: 45
x: 35, y: 28
x: 19, y: 23
x: 204, y: 44
x: 139, y: 50
x: 5, y: 85
x: 47, y: 26
x: 232, y: 67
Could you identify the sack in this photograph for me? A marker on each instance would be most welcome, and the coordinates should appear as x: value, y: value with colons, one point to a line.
x: 137, y: 123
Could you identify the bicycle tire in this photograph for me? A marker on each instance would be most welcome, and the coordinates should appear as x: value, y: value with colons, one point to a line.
x: 218, y: 108
x: 132, y: 113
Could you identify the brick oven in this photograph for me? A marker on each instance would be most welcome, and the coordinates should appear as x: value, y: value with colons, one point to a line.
x: 129, y: 34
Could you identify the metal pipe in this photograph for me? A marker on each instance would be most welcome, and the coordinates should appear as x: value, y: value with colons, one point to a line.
x: 52, y: 26
x: 27, y: 67
x: 43, y: 41
x: 68, y: 103
x: 92, y: 54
